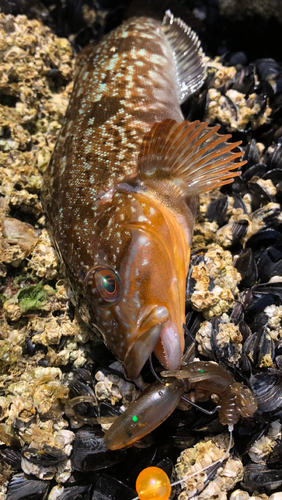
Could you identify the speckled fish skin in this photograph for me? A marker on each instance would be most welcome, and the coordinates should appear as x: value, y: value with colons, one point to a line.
x: 99, y: 218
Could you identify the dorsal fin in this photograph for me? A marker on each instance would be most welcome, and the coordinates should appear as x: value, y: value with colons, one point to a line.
x: 192, y: 154
x: 187, y: 53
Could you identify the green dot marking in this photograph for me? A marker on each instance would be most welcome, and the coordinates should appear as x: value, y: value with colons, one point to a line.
x: 134, y: 418
x: 202, y: 371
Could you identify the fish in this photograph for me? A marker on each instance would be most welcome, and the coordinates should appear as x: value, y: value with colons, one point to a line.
x: 121, y: 190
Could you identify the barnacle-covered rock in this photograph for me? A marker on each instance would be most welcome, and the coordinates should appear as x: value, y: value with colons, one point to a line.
x: 44, y: 261
x: 222, y: 338
x: 244, y: 495
x: 52, y: 330
x: 31, y: 107
x: 216, y: 282
x: 264, y: 446
x: 40, y: 389
x: 274, y: 315
x: 203, y: 337
x: 202, y: 455
x: 115, y: 389
x: 235, y: 110
x: 11, y: 345
x: 47, y: 462
x: 259, y: 219
x: 228, y: 338
x: 16, y: 241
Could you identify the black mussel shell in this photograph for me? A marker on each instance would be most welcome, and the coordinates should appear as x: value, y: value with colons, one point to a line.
x: 259, y: 196
x: 263, y: 289
x: 258, y: 346
x: 107, y: 410
x: 270, y: 263
x: 256, y: 318
x: 274, y: 175
x: 83, y: 409
x: 267, y: 387
x: 78, y: 388
x: 245, y: 365
x: 276, y: 158
x: 238, y: 186
x: 76, y: 493
x: 217, y: 209
x: 274, y: 459
x: 222, y: 353
x: 233, y: 59
x: 267, y: 68
x: 238, y: 202
x: 90, y: 452
x: 252, y: 155
x: 247, y: 432
x: 244, y: 329
x: 265, y: 88
x: 247, y: 267
x: 108, y: 487
x: 258, y: 477
x: 195, y: 107
x: 11, y: 457
x: 183, y: 439
x: 237, y: 312
x: 100, y: 355
x: 196, y: 259
x: 244, y: 81
x: 47, y: 456
x: 264, y: 239
x: 166, y: 465
x: 278, y: 361
x: 83, y: 375
x: 239, y: 230
x: 258, y: 170
x: 21, y: 488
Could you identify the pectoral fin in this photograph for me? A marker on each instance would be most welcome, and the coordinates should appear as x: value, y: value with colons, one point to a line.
x: 192, y: 154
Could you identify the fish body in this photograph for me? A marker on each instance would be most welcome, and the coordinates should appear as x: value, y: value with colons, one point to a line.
x: 120, y: 191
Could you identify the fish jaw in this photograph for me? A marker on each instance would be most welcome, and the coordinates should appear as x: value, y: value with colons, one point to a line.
x: 162, y: 338
x: 160, y: 328
x: 169, y: 347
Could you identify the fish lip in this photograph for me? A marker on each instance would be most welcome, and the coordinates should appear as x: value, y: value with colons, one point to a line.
x: 149, y: 327
x: 152, y: 316
x: 140, y: 351
x: 168, y: 349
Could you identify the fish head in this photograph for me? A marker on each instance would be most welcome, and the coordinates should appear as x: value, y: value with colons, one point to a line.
x: 135, y: 292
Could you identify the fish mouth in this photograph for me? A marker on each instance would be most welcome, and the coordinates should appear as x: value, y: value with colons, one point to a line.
x: 158, y: 334
x: 149, y: 331
x: 168, y: 348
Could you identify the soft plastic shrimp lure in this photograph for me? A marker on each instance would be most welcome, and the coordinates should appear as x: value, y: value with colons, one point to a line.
x: 158, y: 401
x: 161, y: 398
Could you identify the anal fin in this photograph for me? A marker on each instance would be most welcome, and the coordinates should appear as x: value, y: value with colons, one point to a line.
x: 187, y: 53
x: 192, y: 154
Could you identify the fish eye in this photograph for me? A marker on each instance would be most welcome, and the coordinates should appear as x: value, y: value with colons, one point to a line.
x: 104, y: 285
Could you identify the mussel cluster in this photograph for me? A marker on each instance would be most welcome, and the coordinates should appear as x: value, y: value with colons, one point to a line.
x: 61, y: 388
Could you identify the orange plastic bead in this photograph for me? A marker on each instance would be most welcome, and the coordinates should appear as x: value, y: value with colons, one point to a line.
x: 153, y: 484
